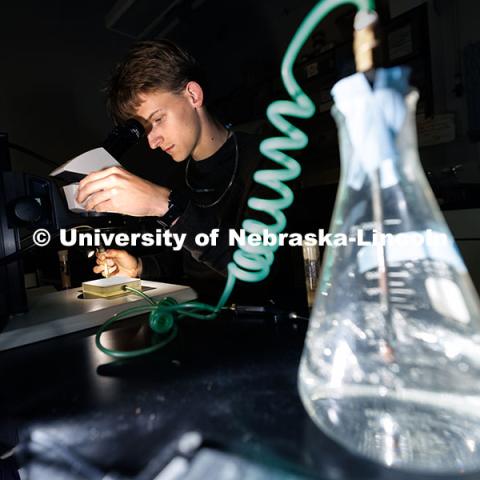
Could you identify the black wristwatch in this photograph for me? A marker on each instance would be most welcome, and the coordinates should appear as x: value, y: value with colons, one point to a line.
x: 177, y: 202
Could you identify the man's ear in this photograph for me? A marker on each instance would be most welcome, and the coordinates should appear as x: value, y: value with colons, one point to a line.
x: 194, y: 93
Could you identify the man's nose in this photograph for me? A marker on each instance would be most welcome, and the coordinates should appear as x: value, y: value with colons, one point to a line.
x: 154, y: 139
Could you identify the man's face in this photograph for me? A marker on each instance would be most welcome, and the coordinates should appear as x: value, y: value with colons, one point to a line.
x: 171, y: 121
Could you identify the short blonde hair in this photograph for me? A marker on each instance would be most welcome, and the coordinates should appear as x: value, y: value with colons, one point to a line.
x: 149, y: 66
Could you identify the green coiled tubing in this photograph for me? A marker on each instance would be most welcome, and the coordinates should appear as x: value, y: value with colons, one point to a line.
x: 250, y: 263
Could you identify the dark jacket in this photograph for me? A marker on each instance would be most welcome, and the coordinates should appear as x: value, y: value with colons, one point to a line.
x: 231, y: 182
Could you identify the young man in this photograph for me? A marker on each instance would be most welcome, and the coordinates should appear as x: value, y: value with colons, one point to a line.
x: 160, y: 85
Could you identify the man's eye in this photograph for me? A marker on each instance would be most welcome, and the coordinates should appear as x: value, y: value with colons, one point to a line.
x: 159, y: 119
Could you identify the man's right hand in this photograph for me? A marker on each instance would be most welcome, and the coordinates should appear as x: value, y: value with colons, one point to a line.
x: 119, y: 262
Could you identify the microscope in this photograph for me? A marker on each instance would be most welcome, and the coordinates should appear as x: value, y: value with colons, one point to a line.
x: 28, y: 203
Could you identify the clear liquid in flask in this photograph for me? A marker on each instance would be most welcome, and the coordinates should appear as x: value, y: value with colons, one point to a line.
x: 391, y: 364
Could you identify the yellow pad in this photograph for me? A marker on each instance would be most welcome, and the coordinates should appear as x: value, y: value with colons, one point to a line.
x: 109, y: 287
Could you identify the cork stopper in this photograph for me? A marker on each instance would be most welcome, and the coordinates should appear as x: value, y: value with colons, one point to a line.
x: 364, y: 40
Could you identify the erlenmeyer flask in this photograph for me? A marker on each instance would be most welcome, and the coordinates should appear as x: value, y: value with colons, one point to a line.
x: 391, y: 363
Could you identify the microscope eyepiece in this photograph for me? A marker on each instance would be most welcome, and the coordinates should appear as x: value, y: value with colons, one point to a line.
x: 123, y: 137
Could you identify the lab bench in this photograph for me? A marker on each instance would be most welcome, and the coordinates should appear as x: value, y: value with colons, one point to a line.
x: 232, y: 384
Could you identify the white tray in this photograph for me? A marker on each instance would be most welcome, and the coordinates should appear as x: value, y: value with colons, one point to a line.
x: 58, y: 313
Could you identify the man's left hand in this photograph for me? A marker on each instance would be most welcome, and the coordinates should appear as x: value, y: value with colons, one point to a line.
x: 116, y: 190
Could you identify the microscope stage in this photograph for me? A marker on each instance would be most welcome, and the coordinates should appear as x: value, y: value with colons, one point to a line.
x: 58, y: 313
